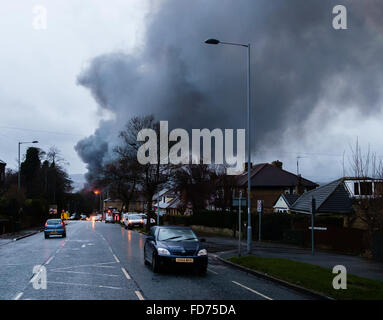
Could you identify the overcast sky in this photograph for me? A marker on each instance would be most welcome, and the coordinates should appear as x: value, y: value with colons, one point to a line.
x: 38, y: 69
x: 315, y: 90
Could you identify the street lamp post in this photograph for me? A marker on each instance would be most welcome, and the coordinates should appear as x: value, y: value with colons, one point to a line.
x: 249, y: 229
x: 18, y: 175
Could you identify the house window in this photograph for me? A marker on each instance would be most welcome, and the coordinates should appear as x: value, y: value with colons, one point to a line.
x: 378, y: 188
x: 366, y: 188
x: 356, y: 188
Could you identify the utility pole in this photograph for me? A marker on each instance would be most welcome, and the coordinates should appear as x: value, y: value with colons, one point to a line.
x: 239, y: 222
x: 313, y: 208
x: 248, y: 133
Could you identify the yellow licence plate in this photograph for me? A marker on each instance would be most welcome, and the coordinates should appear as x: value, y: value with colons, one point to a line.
x: 185, y: 260
x: 53, y: 231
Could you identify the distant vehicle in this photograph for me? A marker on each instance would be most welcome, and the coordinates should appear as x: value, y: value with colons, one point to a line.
x: 133, y: 220
x: 145, y: 217
x: 97, y: 217
x: 175, y: 246
x: 54, y: 227
x: 109, y: 217
x: 83, y: 217
x: 123, y: 217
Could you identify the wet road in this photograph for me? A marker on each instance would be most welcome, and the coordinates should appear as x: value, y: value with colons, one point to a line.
x: 105, y: 261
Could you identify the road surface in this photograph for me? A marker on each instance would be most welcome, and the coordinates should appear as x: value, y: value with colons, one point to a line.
x: 105, y: 261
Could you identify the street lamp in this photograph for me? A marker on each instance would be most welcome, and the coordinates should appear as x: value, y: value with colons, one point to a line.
x: 98, y: 192
x: 18, y: 175
x: 215, y: 42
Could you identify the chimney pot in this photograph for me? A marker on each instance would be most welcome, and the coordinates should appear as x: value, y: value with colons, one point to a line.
x: 277, y: 164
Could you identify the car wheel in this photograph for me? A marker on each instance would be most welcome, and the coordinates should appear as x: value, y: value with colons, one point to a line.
x: 155, y: 265
x: 146, y: 262
x: 64, y: 235
x: 125, y: 227
x: 45, y: 236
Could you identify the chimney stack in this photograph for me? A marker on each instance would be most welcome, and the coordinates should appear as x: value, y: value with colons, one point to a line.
x: 245, y: 165
x: 277, y: 164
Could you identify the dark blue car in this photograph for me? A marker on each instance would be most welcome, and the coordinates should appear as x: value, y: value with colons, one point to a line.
x: 175, y: 246
x: 54, y: 227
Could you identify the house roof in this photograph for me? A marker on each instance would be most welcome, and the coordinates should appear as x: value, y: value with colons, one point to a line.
x: 290, y: 198
x: 160, y: 194
x: 330, y: 198
x: 2, y: 162
x: 268, y: 175
x: 174, y: 203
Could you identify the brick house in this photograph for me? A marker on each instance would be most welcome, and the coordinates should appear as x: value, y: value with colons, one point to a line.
x: 269, y: 181
x: 340, y: 198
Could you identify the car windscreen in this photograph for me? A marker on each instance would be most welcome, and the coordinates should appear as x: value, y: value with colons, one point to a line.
x: 170, y: 234
x: 134, y: 217
x: 54, y: 221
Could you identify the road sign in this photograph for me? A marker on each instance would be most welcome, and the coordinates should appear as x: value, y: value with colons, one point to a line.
x: 238, y: 201
x: 260, y: 211
x: 259, y: 206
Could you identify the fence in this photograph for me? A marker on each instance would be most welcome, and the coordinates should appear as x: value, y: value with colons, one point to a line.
x: 287, y: 228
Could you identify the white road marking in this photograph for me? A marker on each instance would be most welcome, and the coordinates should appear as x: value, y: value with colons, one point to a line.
x: 88, y: 265
x: 95, y: 274
x: 212, y: 271
x: 139, y: 295
x: 83, y: 246
x: 126, y: 273
x: 118, y: 261
x: 83, y: 284
x: 49, y: 260
x: 256, y: 292
x: 18, y: 296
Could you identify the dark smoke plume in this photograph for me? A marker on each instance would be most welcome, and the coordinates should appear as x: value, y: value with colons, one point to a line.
x: 298, y: 61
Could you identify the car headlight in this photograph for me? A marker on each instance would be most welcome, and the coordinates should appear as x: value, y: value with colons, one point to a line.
x: 163, y: 251
x: 202, y: 252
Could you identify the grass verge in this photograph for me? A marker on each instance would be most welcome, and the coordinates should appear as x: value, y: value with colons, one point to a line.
x: 314, y: 278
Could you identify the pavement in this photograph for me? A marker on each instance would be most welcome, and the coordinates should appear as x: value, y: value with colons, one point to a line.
x: 359, y: 266
x: 98, y: 261
x: 9, y: 237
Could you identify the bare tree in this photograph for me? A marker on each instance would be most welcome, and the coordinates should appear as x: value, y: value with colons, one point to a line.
x: 368, y: 208
x: 196, y: 182
x: 150, y: 177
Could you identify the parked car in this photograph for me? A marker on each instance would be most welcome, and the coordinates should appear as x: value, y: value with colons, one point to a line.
x: 123, y: 217
x: 83, y: 217
x: 133, y: 220
x: 97, y: 217
x: 54, y: 227
x: 145, y: 217
x: 109, y: 218
x: 175, y: 246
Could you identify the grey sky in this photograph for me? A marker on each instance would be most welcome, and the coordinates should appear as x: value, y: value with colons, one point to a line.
x: 38, y: 89
x: 314, y: 89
